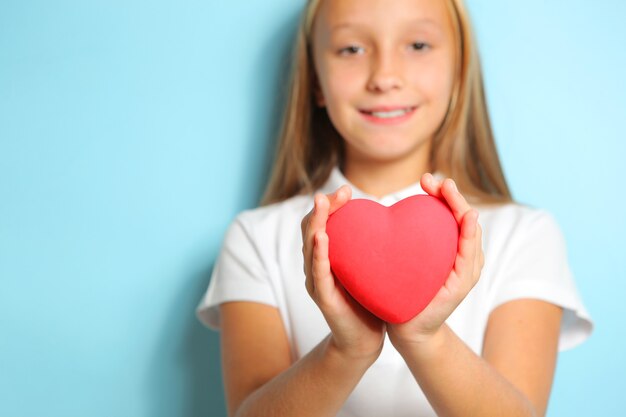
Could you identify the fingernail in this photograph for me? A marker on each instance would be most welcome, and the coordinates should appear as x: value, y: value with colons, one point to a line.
x: 454, y: 186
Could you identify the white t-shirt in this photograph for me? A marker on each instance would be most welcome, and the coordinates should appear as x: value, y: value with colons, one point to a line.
x: 261, y: 261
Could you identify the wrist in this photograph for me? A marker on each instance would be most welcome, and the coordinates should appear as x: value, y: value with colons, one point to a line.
x: 424, y: 345
x: 354, y: 358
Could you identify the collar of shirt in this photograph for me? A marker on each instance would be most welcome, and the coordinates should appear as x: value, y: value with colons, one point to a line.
x: 336, y: 179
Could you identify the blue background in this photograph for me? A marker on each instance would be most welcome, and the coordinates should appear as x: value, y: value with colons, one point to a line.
x: 132, y: 133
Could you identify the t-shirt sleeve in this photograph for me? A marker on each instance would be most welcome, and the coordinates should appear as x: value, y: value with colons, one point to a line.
x: 537, y: 267
x: 239, y: 274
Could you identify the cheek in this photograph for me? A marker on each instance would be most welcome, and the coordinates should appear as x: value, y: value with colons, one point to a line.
x: 344, y: 82
x: 435, y: 80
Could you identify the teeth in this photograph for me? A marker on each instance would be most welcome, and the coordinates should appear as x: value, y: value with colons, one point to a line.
x: 390, y: 114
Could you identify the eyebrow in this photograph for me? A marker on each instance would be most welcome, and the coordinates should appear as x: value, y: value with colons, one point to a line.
x: 422, y: 21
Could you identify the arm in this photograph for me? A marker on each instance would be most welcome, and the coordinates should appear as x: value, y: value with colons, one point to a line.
x: 513, y: 377
x: 258, y: 378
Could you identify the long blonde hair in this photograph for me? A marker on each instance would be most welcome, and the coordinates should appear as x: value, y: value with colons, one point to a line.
x: 463, y: 147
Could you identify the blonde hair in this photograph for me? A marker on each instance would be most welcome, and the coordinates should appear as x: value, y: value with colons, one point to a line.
x: 463, y: 147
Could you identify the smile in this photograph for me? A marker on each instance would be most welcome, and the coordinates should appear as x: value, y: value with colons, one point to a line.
x: 389, y: 117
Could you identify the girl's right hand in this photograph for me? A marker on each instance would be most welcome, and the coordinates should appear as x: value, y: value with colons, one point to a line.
x: 355, y: 332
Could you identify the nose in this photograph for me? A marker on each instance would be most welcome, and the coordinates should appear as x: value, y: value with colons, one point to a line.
x: 386, y: 72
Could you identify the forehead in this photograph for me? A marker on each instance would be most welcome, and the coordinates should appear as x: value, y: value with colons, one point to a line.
x: 335, y: 16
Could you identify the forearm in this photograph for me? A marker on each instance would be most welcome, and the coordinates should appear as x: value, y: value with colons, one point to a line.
x: 315, y: 386
x: 457, y: 382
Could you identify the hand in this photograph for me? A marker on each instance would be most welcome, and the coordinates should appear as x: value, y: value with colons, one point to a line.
x: 355, y: 332
x: 464, y: 275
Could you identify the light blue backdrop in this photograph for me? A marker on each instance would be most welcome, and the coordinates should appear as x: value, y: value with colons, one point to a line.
x: 131, y: 133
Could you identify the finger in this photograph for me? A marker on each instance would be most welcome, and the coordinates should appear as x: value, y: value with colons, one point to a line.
x: 316, y: 221
x: 305, y: 222
x: 323, y: 280
x: 464, y: 263
x: 324, y: 205
x: 340, y: 197
x: 479, y: 238
x: 319, y: 215
x: 455, y: 199
x: 309, y: 284
x: 306, y: 251
x: 304, y: 227
x: 479, y: 258
x: 335, y: 199
x: 431, y: 185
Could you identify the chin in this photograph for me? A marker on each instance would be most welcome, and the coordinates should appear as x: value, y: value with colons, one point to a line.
x: 383, y: 154
x: 389, y: 150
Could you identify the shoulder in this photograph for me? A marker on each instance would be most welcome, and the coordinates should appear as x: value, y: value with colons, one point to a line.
x: 515, y: 229
x: 516, y: 217
x: 268, y: 221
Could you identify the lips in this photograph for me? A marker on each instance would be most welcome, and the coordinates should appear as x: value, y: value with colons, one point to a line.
x: 389, y: 114
x: 397, y: 115
x: 386, y: 108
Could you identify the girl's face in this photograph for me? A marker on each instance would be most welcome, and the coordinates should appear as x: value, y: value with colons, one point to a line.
x: 385, y: 70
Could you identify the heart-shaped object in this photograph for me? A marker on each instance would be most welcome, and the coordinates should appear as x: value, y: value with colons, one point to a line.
x: 393, y: 260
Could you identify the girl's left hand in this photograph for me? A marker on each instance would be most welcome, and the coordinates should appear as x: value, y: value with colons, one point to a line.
x: 464, y: 275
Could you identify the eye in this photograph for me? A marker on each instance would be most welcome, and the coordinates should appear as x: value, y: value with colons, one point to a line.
x: 419, y: 46
x: 350, y: 50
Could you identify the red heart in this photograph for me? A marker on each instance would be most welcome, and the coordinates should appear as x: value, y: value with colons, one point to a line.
x: 393, y: 260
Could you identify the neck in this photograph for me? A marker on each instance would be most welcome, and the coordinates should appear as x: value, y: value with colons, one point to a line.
x: 379, y: 178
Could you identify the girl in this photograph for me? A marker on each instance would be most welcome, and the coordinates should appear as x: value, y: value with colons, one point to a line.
x: 384, y: 92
